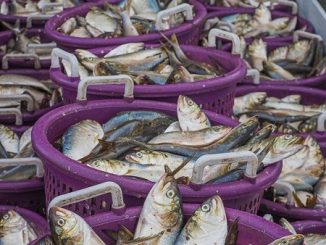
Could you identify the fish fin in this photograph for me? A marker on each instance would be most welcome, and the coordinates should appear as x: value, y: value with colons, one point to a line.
x: 311, y: 202
x: 298, y: 201
x: 233, y: 231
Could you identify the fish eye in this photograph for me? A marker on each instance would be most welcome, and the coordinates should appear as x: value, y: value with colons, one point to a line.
x: 139, y: 154
x: 287, y: 137
x: 170, y: 194
x: 205, y: 208
x: 61, y: 222
x: 6, y: 216
x: 190, y: 102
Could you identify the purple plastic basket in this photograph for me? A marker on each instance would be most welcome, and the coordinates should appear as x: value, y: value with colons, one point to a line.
x: 5, y: 36
x: 309, y: 96
x: 310, y: 226
x: 36, y: 221
x: 37, y: 23
x: 216, y: 94
x: 28, y: 118
x: 301, y: 23
x: 187, y: 33
x: 316, y: 81
x: 292, y: 213
x: 63, y: 174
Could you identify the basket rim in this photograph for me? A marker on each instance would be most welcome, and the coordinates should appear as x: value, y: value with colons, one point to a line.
x: 228, y: 79
x: 44, y: 149
x: 303, y: 225
x: 54, y: 22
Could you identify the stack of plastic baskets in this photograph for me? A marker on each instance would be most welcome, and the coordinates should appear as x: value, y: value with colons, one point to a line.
x: 292, y: 213
x: 252, y: 229
x: 63, y: 174
x: 187, y: 33
x: 216, y: 94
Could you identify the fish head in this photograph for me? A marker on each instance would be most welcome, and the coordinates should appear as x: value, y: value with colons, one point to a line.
x: 256, y: 98
x: 288, y: 142
x: 296, y: 239
x: 249, y: 125
x: 110, y: 166
x: 186, y: 105
x: 211, y: 208
x: 11, y: 220
x: 262, y: 14
x: 62, y: 223
x: 257, y: 51
x: 142, y: 156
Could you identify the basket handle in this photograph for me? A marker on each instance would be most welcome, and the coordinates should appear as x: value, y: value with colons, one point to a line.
x: 216, y: 159
x: 214, y: 33
x: 292, y: 4
x: 33, y: 46
x: 19, y: 98
x: 182, y: 8
x: 268, y: 217
x: 297, y: 34
x: 91, y: 192
x: 13, y: 111
x: 46, y: 5
x: 7, y: 57
x: 288, y: 188
x: 60, y: 53
x: 220, y: 24
x: 116, y: 79
x: 321, y: 121
x: 27, y: 161
x: 254, y: 73
x: 30, y: 19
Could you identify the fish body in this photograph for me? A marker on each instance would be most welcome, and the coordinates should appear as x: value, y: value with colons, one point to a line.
x: 314, y: 239
x: 9, y: 141
x: 25, y: 144
x: 296, y: 239
x: 125, y: 49
x: 248, y: 102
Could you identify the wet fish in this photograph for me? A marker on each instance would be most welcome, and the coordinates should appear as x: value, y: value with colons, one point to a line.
x: 314, y: 239
x: 162, y: 211
x: 18, y: 173
x: 174, y: 127
x: 258, y: 53
x: 9, y: 141
x: 207, y: 225
x: 190, y: 116
x: 125, y: 49
x: 81, y: 138
x: 296, y: 239
x: 69, y: 228
x: 25, y: 144
x: 14, y: 229
x: 248, y: 102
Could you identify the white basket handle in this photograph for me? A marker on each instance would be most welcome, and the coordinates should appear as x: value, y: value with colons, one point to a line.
x: 19, y: 98
x: 13, y: 111
x: 33, y: 46
x: 292, y: 4
x: 116, y: 79
x: 182, y: 8
x: 59, y: 53
x: 268, y: 217
x: 46, y: 5
x: 220, y: 24
x: 297, y: 34
x: 91, y: 192
x: 27, y: 161
x: 214, y: 33
x: 288, y: 188
x: 254, y: 73
x: 231, y: 157
x: 30, y: 19
x: 7, y: 57
x: 321, y: 121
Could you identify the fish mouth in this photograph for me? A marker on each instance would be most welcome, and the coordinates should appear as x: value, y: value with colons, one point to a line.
x: 182, y: 100
x: 131, y: 158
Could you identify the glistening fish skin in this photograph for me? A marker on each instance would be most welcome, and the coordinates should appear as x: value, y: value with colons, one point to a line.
x: 296, y: 239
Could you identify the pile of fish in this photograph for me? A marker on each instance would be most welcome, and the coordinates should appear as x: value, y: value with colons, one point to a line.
x: 42, y: 92
x: 20, y: 41
x: 298, y: 60
x: 28, y: 8
x: 130, y: 18
x: 161, y: 221
x: 140, y: 143
x: 167, y: 64
x: 247, y: 25
x: 239, y: 3
x: 305, y: 171
x: 288, y: 114
x: 14, y: 229
x: 309, y: 238
x: 13, y: 146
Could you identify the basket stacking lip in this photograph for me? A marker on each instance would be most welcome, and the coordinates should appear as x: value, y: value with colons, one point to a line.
x: 275, y: 14
x: 85, y: 43
x: 309, y: 96
x: 310, y: 226
x: 252, y: 229
x: 5, y: 36
x: 28, y: 117
x: 235, y: 73
x: 60, y: 119
x: 292, y: 213
x: 34, y: 219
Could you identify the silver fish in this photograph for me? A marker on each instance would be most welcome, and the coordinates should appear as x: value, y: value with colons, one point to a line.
x: 296, y: 239
x: 314, y: 239
x: 127, y: 48
x: 25, y: 144
x: 9, y: 140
